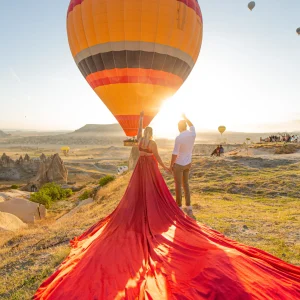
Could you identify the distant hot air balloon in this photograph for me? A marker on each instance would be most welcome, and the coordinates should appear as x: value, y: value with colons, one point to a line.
x: 65, y: 150
x: 298, y: 31
x: 222, y: 129
x: 251, y: 5
x: 134, y: 54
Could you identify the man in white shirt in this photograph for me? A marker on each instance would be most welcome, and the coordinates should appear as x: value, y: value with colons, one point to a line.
x: 182, y: 160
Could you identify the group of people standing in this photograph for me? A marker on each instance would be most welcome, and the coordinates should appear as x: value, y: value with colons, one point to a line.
x: 281, y: 138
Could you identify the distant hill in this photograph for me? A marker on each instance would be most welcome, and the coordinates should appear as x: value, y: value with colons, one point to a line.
x: 112, y: 134
x: 3, y: 134
x: 97, y: 128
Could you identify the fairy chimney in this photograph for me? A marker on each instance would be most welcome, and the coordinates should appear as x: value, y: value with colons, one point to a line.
x: 52, y: 170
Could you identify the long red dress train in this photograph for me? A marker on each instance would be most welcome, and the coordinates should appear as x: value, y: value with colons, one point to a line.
x: 148, y: 249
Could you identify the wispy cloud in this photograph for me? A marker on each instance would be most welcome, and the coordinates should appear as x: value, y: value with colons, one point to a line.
x: 17, y: 78
x: 15, y: 75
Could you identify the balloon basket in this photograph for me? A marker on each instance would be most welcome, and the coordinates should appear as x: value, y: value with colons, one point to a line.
x: 130, y: 143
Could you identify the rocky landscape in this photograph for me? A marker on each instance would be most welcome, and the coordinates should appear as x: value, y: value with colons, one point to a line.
x: 37, y: 170
x: 250, y: 198
x: 251, y: 195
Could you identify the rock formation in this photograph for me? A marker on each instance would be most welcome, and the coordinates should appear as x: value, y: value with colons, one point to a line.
x: 9, y: 222
x: 52, y: 170
x: 24, y: 209
x: 43, y: 168
x: 6, y: 161
x: 5, y: 196
x: 18, y: 169
x: 3, y: 134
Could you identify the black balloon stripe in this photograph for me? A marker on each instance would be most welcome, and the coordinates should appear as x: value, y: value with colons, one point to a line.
x: 134, y: 59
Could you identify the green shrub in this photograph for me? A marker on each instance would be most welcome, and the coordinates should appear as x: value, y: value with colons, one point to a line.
x: 68, y: 192
x: 41, y: 197
x: 14, y: 187
x: 49, y: 193
x: 106, y: 179
x: 85, y: 195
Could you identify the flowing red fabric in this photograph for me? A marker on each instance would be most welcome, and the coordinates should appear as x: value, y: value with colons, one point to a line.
x: 148, y: 249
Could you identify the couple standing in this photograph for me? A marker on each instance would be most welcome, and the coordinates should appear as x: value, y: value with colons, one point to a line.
x: 148, y: 249
x: 181, y: 160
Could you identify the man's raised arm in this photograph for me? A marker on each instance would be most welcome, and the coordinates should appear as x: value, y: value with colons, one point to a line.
x: 187, y: 120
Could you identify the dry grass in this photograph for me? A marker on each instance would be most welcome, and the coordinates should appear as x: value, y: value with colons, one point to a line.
x: 31, y: 255
x: 250, y: 200
x: 256, y: 206
x: 287, y: 149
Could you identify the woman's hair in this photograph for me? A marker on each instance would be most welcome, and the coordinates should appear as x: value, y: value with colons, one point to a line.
x: 147, y: 136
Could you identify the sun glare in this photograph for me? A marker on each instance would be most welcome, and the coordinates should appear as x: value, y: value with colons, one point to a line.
x: 165, y: 123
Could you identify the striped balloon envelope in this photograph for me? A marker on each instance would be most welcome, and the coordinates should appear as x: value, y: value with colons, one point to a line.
x: 134, y: 53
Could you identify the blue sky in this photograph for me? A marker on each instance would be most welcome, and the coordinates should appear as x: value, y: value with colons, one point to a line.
x: 247, y: 76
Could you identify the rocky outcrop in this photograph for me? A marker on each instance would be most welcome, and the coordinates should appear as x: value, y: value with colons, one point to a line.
x: 24, y: 209
x: 45, y: 169
x: 52, y: 170
x: 6, y: 161
x: 19, y: 169
x: 3, y: 134
x: 9, y: 222
x: 5, y: 196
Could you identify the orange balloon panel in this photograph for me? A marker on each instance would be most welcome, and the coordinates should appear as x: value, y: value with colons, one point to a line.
x: 134, y: 53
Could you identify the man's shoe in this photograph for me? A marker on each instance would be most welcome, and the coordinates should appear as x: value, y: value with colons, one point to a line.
x: 190, y: 213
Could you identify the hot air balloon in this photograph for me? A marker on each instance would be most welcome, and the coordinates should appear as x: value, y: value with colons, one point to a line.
x: 222, y: 129
x: 298, y: 31
x: 133, y: 53
x: 65, y: 150
x: 251, y: 5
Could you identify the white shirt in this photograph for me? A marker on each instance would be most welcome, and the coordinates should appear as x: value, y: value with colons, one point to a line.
x: 184, y: 145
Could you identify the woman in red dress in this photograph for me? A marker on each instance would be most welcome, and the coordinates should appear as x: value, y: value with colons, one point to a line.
x: 148, y: 249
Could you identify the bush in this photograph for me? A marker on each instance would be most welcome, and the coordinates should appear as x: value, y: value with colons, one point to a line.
x: 286, y: 149
x: 14, y: 187
x: 41, y: 197
x: 85, y: 195
x: 68, y: 192
x: 106, y: 179
x: 49, y: 193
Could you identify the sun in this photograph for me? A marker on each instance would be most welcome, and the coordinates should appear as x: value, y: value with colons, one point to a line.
x: 165, y: 123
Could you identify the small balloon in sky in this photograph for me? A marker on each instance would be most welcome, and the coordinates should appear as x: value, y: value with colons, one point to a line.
x: 222, y: 129
x: 251, y: 5
x: 298, y: 31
